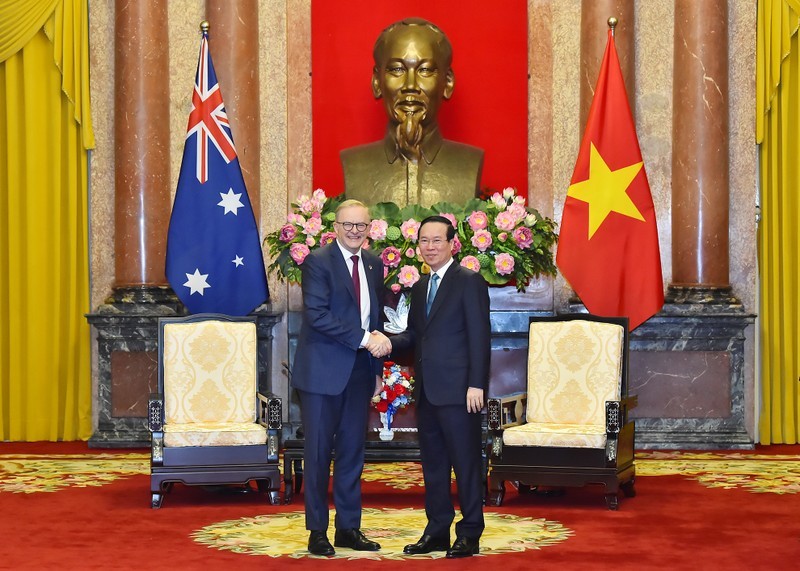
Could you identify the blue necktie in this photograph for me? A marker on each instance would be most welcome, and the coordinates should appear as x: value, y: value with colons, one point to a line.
x: 432, y: 292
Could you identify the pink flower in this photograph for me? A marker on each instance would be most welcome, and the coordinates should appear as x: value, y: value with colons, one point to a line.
x: 327, y: 238
x: 471, y: 263
x: 295, y: 218
x: 498, y: 200
x: 509, y: 192
x: 298, y: 252
x: 504, y: 264
x: 456, y: 246
x: 482, y: 240
x: 502, y: 236
x: 408, y: 276
x: 319, y: 198
x: 313, y: 226
x: 391, y: 257
x: 310, y: 241
x: 451, y: 218
x: 518, y: 210
x: 409, y: 229
x: 478, y: 220
x: 523, y: 237
x: 377, y: 229
x: 506, y: 221
x: 288, y: 232
x: 396, y: 288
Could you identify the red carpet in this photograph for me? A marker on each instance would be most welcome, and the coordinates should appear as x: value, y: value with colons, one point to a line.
x: 65, y: 506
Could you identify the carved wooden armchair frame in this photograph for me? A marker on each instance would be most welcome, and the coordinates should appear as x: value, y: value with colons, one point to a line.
x: 561, y: 466
x: 215, y: 464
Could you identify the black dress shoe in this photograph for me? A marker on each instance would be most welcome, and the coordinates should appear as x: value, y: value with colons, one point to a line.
x: 426, y: 544
x: 354, y: 539
x: 318, y: 544
x: 463, y: 547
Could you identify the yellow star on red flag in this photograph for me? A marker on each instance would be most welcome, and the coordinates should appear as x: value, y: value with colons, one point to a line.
x: 605, y: 190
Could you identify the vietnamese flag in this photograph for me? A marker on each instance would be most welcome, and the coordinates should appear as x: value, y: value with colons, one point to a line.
x: 608, y: 243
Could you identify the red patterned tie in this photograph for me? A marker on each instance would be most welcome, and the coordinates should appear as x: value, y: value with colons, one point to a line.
x: 356, y: 281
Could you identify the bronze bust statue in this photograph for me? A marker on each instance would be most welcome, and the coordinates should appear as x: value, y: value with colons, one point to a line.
x: 413, y: 164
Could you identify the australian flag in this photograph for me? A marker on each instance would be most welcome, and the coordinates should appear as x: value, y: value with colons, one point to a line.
x: 214, y: 260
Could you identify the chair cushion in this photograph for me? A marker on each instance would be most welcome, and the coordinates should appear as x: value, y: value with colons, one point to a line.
x: 210, y: 372
x: 557, y: 435
x: 574, y: 367
x: 214, y: 434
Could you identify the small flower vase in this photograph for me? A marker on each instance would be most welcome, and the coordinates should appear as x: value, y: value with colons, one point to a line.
x: 386, y: 432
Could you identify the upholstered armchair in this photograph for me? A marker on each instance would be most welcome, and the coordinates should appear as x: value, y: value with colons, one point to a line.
x: 209, y: 424
x: 571, y: 427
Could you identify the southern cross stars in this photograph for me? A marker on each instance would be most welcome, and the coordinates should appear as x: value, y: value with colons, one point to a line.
x: 230, y: 202
x: 605, y: 191
x: 196, y: 282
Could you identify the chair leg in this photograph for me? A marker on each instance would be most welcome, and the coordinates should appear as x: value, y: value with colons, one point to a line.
x: 156, y: 500
x: 497, y: 491
x: 628, y: 489
x: 612, y: 501
x: 274, y: 498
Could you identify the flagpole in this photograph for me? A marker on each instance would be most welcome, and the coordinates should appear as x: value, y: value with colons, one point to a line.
x: 612, y: 23
x: 204, y: 26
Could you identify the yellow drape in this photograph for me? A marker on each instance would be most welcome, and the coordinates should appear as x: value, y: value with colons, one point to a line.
x: 778, y: 132
x: 45, y: 131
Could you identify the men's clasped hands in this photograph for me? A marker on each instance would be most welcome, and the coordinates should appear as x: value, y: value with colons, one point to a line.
x: 378, y: 344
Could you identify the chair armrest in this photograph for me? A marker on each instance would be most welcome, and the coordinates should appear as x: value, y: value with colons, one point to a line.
x: 155, y: 412
x: 270, y: 411
x: 614, y: 417
x: 507, y: 411
x: 270, y: 415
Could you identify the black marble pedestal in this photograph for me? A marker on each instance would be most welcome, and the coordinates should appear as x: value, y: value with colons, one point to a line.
x: 127, y: 360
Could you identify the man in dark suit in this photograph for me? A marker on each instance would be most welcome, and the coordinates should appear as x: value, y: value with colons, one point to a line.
x: 449, y: 329
x: 336, y: 375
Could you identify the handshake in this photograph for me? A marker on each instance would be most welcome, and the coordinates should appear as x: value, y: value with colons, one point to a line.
x: 378, y: 344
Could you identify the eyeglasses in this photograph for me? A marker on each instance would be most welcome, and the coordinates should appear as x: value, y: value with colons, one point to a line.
x: 436, y: 242
x: 348, y: 226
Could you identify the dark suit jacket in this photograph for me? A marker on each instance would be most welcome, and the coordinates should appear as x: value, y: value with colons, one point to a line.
x: 451, y: 345
x: 331, y: 330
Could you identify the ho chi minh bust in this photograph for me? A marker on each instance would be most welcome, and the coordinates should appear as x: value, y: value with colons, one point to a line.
x: 413, y: 164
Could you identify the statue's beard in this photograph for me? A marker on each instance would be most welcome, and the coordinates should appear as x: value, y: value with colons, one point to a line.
x: 409, y: 134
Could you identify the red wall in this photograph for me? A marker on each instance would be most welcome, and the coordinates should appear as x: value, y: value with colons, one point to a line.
x: 489, y: 107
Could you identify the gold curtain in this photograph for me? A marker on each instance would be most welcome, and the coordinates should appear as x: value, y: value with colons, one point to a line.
x: 778, y: 133
x: 45, y: 134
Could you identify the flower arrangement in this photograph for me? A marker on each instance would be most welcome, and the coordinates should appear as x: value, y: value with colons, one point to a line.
x: 498, y: 236
x: 396, y: 390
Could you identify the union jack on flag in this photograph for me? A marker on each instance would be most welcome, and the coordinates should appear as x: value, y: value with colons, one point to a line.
x: 208, y: 120
x: 214, y: 259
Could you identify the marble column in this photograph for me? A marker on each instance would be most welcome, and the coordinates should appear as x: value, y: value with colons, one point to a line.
x: 700, y: 186
x: 126, y: 324
x: 234, y: 45
x: 142, y: 142
x: 594, y: 34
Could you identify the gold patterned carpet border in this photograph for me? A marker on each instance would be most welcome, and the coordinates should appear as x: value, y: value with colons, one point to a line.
x: 284, y: 534
x: 756, y: 473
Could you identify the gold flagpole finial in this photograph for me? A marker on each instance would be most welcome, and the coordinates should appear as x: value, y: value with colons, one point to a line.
x: 204, y: 26
x: 612, y: 23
